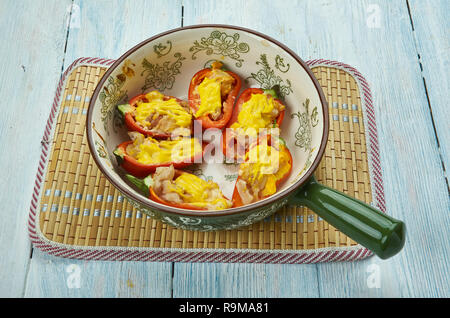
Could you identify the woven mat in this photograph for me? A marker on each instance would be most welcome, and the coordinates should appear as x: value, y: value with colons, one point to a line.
x: 76, y: 213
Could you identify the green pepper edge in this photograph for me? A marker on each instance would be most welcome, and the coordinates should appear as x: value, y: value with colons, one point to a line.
x: 124, y: 109
x: 118, y: 153
x: 142, y: 184
x: 271, y: 92
x: 282, y: 141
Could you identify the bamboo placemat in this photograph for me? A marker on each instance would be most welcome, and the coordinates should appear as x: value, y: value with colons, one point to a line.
x: 77, y: 213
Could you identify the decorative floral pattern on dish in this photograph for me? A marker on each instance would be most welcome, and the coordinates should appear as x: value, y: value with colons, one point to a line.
x: 127, y: 68
x: 279, y: 64
x: 112, y: 95
x: 303, y: 136
x: 267, y: 78
x: 100, y: 149
x: 223, y: 44
x: 161, y: 49
x: 161, y: 77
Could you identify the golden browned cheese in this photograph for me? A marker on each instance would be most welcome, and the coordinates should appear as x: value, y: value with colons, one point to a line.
x: 264, y: 166
x: 189, y: 189
x: 212, y: 90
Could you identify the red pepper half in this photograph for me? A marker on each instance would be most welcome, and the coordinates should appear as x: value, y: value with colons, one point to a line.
x: 127, y: 112
x: 156, y: 198
x: 227, y: 103
x: 236, y: 198
x: 140, y: 170
x: 230, y: 142
x: 145, y: 186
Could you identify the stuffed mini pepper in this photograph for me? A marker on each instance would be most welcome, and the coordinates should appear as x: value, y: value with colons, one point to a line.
x: 267, y: 164
x: 142, y: 155
x: 212, y: 93
x: 257, y: 111
x: 181, y: 189
x: 157, y: 115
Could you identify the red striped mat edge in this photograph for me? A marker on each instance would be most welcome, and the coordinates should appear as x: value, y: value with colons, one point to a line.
x: 268, y: 256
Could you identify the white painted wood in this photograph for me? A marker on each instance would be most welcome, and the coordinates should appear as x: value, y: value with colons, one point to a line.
x: 31, y: 53
x: 376, y: 38
x: 60, y: 277
x: 431, y: 30
x: 216, y: 280
x: 109, y: 28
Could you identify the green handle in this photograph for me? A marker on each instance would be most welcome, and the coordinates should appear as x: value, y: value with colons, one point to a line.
x: 378, y: 232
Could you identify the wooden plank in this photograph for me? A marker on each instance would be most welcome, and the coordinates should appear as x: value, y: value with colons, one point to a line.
x: 107, y: 29
x: 60, y: 278
x: 214, y: 280
x: 375, y: 38
x: 31, y: 55
x: 431, y: 23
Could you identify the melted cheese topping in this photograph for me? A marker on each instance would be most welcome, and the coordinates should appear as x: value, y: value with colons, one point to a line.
x: 152, y: 151
x: 210, y: 98
x: 145, y: 113
x: 212, y: 90
x: 264, y: 166
x: 259, y: 111
x: 198, y: 192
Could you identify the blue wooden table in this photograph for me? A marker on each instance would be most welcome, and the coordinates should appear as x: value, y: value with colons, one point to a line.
x: 401, y: 47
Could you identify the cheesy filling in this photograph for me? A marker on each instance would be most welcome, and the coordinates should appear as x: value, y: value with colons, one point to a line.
x: 163, y: 116
x: 188, y: 189
x: 148, y: 150
x: 260, y: 111
x: 264, y: 165
x: 212, y: 91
